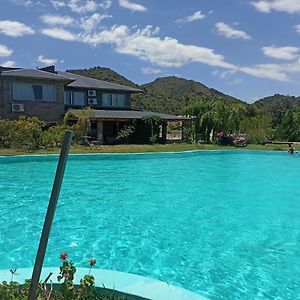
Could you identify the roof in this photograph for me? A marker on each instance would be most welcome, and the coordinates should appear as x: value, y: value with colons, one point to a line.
x: 128, y: 114
x: 36, y: 74
x: 72, y: 80
x: 80, y: 81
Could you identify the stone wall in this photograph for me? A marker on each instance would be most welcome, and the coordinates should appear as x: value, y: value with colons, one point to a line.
x: 46, y: 111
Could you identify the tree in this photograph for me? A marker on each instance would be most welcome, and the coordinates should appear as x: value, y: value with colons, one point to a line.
x: 152, y: 124
x: 289, y: 129
x: 83, y: 124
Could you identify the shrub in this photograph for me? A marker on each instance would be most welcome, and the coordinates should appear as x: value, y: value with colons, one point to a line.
x: 86, y: 290
x: 53, y: 136
x: 25, y: 132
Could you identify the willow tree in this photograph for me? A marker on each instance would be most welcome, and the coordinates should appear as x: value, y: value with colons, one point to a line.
x: 83, y: 117
x: 197, y: 110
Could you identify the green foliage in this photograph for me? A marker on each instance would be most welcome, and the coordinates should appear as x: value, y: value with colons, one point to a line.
x: 30, y: 134
x: 125, y: 133
x: 53, y: 136
x: 257, y: 129
x: 172, y: 95
x: 289, y: 129
x: 22, y: 133
x: 152, y: 126
x: 86, y: 290
x: 83, y: 123
x: 105, y: 74
x: 216, y: 116
x: 277, y: 106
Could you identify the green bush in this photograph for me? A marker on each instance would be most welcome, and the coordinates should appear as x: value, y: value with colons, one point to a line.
x: 22, y: 133
x: 32, y: 133
x: 66, y: 290
x: 53, y: 136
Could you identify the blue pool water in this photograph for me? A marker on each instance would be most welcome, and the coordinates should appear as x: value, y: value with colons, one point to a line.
x: 225, y: 224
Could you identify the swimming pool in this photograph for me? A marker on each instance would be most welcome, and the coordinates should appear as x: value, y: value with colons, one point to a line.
x: 225, y: 224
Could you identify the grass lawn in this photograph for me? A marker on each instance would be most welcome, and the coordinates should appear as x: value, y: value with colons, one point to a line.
x: 144, y: 148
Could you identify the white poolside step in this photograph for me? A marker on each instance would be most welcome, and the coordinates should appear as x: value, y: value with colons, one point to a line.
x: 123, y: 282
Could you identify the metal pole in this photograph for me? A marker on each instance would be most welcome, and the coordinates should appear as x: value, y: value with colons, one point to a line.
x: 50, y: 215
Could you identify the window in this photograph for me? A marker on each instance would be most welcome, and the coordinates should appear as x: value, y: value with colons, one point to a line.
x: 34, y: 92
x: 114, y: 100
x: 74, y: 98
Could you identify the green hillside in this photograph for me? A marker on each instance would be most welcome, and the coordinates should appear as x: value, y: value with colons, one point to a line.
x: 105, y: 74
x: 276, y: 106
x: 277, y: 100
x: 173, y: 94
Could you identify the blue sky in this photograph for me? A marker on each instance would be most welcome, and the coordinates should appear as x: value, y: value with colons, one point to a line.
x: 248, y: 49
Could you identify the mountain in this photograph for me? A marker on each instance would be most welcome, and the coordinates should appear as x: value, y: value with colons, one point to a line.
x: 276, y: 106
x: 173, y: 94
x: 269, y: 103
x: 105, y: 74
x: 167, y: 94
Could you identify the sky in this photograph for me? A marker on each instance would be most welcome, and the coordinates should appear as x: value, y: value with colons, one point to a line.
x: 249, y: 49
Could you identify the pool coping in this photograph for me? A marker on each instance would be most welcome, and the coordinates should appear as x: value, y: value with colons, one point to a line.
x: 124, y: 282
x: 141, y: 153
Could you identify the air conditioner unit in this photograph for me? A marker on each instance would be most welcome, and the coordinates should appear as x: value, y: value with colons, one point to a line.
x: 17, y: 107
x: 92, y: 93
x: 92, y: 101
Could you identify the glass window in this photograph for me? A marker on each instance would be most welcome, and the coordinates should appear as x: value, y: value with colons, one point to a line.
x: 23, y: 92
x: 49, y: 92
x: 107, y: 99
x: 68, y: 98
x: 121, y: 100
x: 78, y: 98
x: 34, y: 92
x: 114, y: 100
x: 74, y: 98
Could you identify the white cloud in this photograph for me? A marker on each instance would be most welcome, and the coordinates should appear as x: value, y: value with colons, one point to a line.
x: 4, y: 51
x: 168, y: 52
x: 59, y: 33
x: 57, y: 20
x: 14, y: 28
x: 132, y: 6
x: 47, y: 61
x: 58, y: 4
x: 149, y: 70
x: 105, y: 4
x: 286, y: 53
x: 297, y: 27
x: 230, y: 32
x: 195, y: 16
x: 89, y: 23
x: 9, y: 64
x: 143, y: 43
x: 271, y: 71
x: 288, y: 6
x: 82, y: 7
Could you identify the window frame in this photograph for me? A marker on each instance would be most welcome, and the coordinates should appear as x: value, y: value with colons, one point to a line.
x: 71, y: 95
x: 34, y: 89
x: 114, y: 100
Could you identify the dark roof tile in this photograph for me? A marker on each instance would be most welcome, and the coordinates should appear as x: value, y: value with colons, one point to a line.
x: 91, y: 83
x: 34, y: 73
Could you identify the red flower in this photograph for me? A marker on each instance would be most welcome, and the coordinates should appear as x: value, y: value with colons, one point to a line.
x: 92, y: 262
x: 63, y: 256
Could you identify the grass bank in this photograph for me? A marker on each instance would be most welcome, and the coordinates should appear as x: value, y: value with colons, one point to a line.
x: 144, y: 148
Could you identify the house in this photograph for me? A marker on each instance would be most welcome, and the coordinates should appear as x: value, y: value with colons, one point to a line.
x: 48, y: 94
